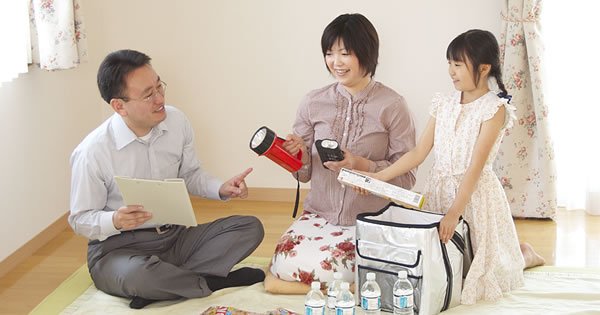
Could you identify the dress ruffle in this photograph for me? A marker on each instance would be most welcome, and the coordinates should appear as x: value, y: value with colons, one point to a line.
x: 435, y: 103
x: 510, y: 111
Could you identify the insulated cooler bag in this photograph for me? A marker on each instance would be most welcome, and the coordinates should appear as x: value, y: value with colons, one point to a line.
x: 398, y: 238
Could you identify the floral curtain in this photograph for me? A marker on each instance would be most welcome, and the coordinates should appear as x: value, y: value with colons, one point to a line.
x: 58, y: 38
x: 525, y: 163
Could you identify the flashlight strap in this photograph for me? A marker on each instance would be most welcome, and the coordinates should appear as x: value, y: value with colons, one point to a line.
x: 297, y: 197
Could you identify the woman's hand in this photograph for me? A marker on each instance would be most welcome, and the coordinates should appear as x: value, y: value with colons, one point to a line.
x: 447, y: 226
x: 349, y: 162
x: 294, y: 144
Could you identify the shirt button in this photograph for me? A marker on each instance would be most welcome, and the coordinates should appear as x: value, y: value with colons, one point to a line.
x: 345, y: 134
x: 348, y: 118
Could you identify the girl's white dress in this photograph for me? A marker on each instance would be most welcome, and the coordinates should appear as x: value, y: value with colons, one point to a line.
x: 498, y: 264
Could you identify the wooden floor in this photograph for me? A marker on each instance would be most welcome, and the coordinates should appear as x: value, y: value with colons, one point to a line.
x: 571, y: 240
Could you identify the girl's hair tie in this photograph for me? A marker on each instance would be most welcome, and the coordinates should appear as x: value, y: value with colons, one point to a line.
x: 506, y: 96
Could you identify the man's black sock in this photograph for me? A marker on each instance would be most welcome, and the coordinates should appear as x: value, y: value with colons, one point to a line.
x: 241, y: 277
x: 139, y: 302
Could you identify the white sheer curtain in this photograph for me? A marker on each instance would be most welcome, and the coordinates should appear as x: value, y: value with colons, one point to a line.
x: 573, y: 53
x: 14, y: 26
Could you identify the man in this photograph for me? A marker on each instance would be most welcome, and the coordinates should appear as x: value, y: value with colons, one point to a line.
x: 127, y: 255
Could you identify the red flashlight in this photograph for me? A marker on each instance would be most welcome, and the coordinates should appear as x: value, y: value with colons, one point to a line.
x: 265, y: 142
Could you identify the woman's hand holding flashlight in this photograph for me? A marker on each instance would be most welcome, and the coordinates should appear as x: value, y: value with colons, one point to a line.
x: 351, y: 161
x: 294, y: 144
x: 347, y: 162
x: 235, y: 187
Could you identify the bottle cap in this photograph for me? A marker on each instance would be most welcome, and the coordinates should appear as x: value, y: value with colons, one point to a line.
x: 316, y: 285
x: 371, y: 276
x: 345, y: 286
x: 402, y: 274
x: 337, y: 275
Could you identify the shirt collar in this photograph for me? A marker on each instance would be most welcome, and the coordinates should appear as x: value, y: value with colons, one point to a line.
x: 362, y: 94
x: 124, y: 136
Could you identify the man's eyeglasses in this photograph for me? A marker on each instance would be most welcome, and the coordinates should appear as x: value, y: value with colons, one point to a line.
x: 162, y: 87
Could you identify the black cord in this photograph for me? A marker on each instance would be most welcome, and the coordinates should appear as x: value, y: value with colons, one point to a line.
x: 297, y: 197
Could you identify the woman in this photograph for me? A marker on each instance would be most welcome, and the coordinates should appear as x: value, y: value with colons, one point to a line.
x: 374, y: 127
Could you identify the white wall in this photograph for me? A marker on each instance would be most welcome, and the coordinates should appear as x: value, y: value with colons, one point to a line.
x: 231, y: 66
x: 43, y: 116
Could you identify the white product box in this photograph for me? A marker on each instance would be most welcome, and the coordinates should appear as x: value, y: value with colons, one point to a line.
x: 388, y: 191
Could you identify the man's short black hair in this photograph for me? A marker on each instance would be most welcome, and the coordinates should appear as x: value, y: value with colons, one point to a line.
x: 359, y: 37
x: 115, y: 68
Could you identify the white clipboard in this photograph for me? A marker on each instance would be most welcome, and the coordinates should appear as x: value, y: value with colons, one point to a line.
x: 168, y: 200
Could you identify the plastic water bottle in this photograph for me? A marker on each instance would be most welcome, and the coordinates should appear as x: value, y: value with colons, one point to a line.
x: 314, y: 304
x: 370, y: 295
x: 332, y: 291
x: 403, y: 295
x: 344, y: 303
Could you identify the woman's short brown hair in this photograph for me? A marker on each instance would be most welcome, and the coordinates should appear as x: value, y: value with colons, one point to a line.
x: 359, y: 37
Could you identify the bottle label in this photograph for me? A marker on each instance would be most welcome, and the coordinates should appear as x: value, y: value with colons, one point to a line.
x: 340, y: 310
x: 403, y: 301
x: 314, y: 310
x: 371, y: 303
x: 331, y: 300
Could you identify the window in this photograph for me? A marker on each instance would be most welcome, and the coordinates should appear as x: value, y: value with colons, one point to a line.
x: 572, y: 53
x: 15, y: 53
x: 62, y: 43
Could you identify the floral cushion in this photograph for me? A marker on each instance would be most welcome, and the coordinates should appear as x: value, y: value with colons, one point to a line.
x: 313, y: 249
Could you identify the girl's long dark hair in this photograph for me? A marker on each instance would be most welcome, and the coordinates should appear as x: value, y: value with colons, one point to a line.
x: 480, y: 48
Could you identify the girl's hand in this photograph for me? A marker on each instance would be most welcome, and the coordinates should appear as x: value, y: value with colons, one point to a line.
x: 447, y: 226
x: 362, y: 191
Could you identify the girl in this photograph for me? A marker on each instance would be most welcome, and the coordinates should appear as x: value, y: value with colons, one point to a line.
x: 465, y: 130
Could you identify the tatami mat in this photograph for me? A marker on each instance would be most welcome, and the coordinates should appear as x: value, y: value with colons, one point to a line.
x: 547, y: 290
